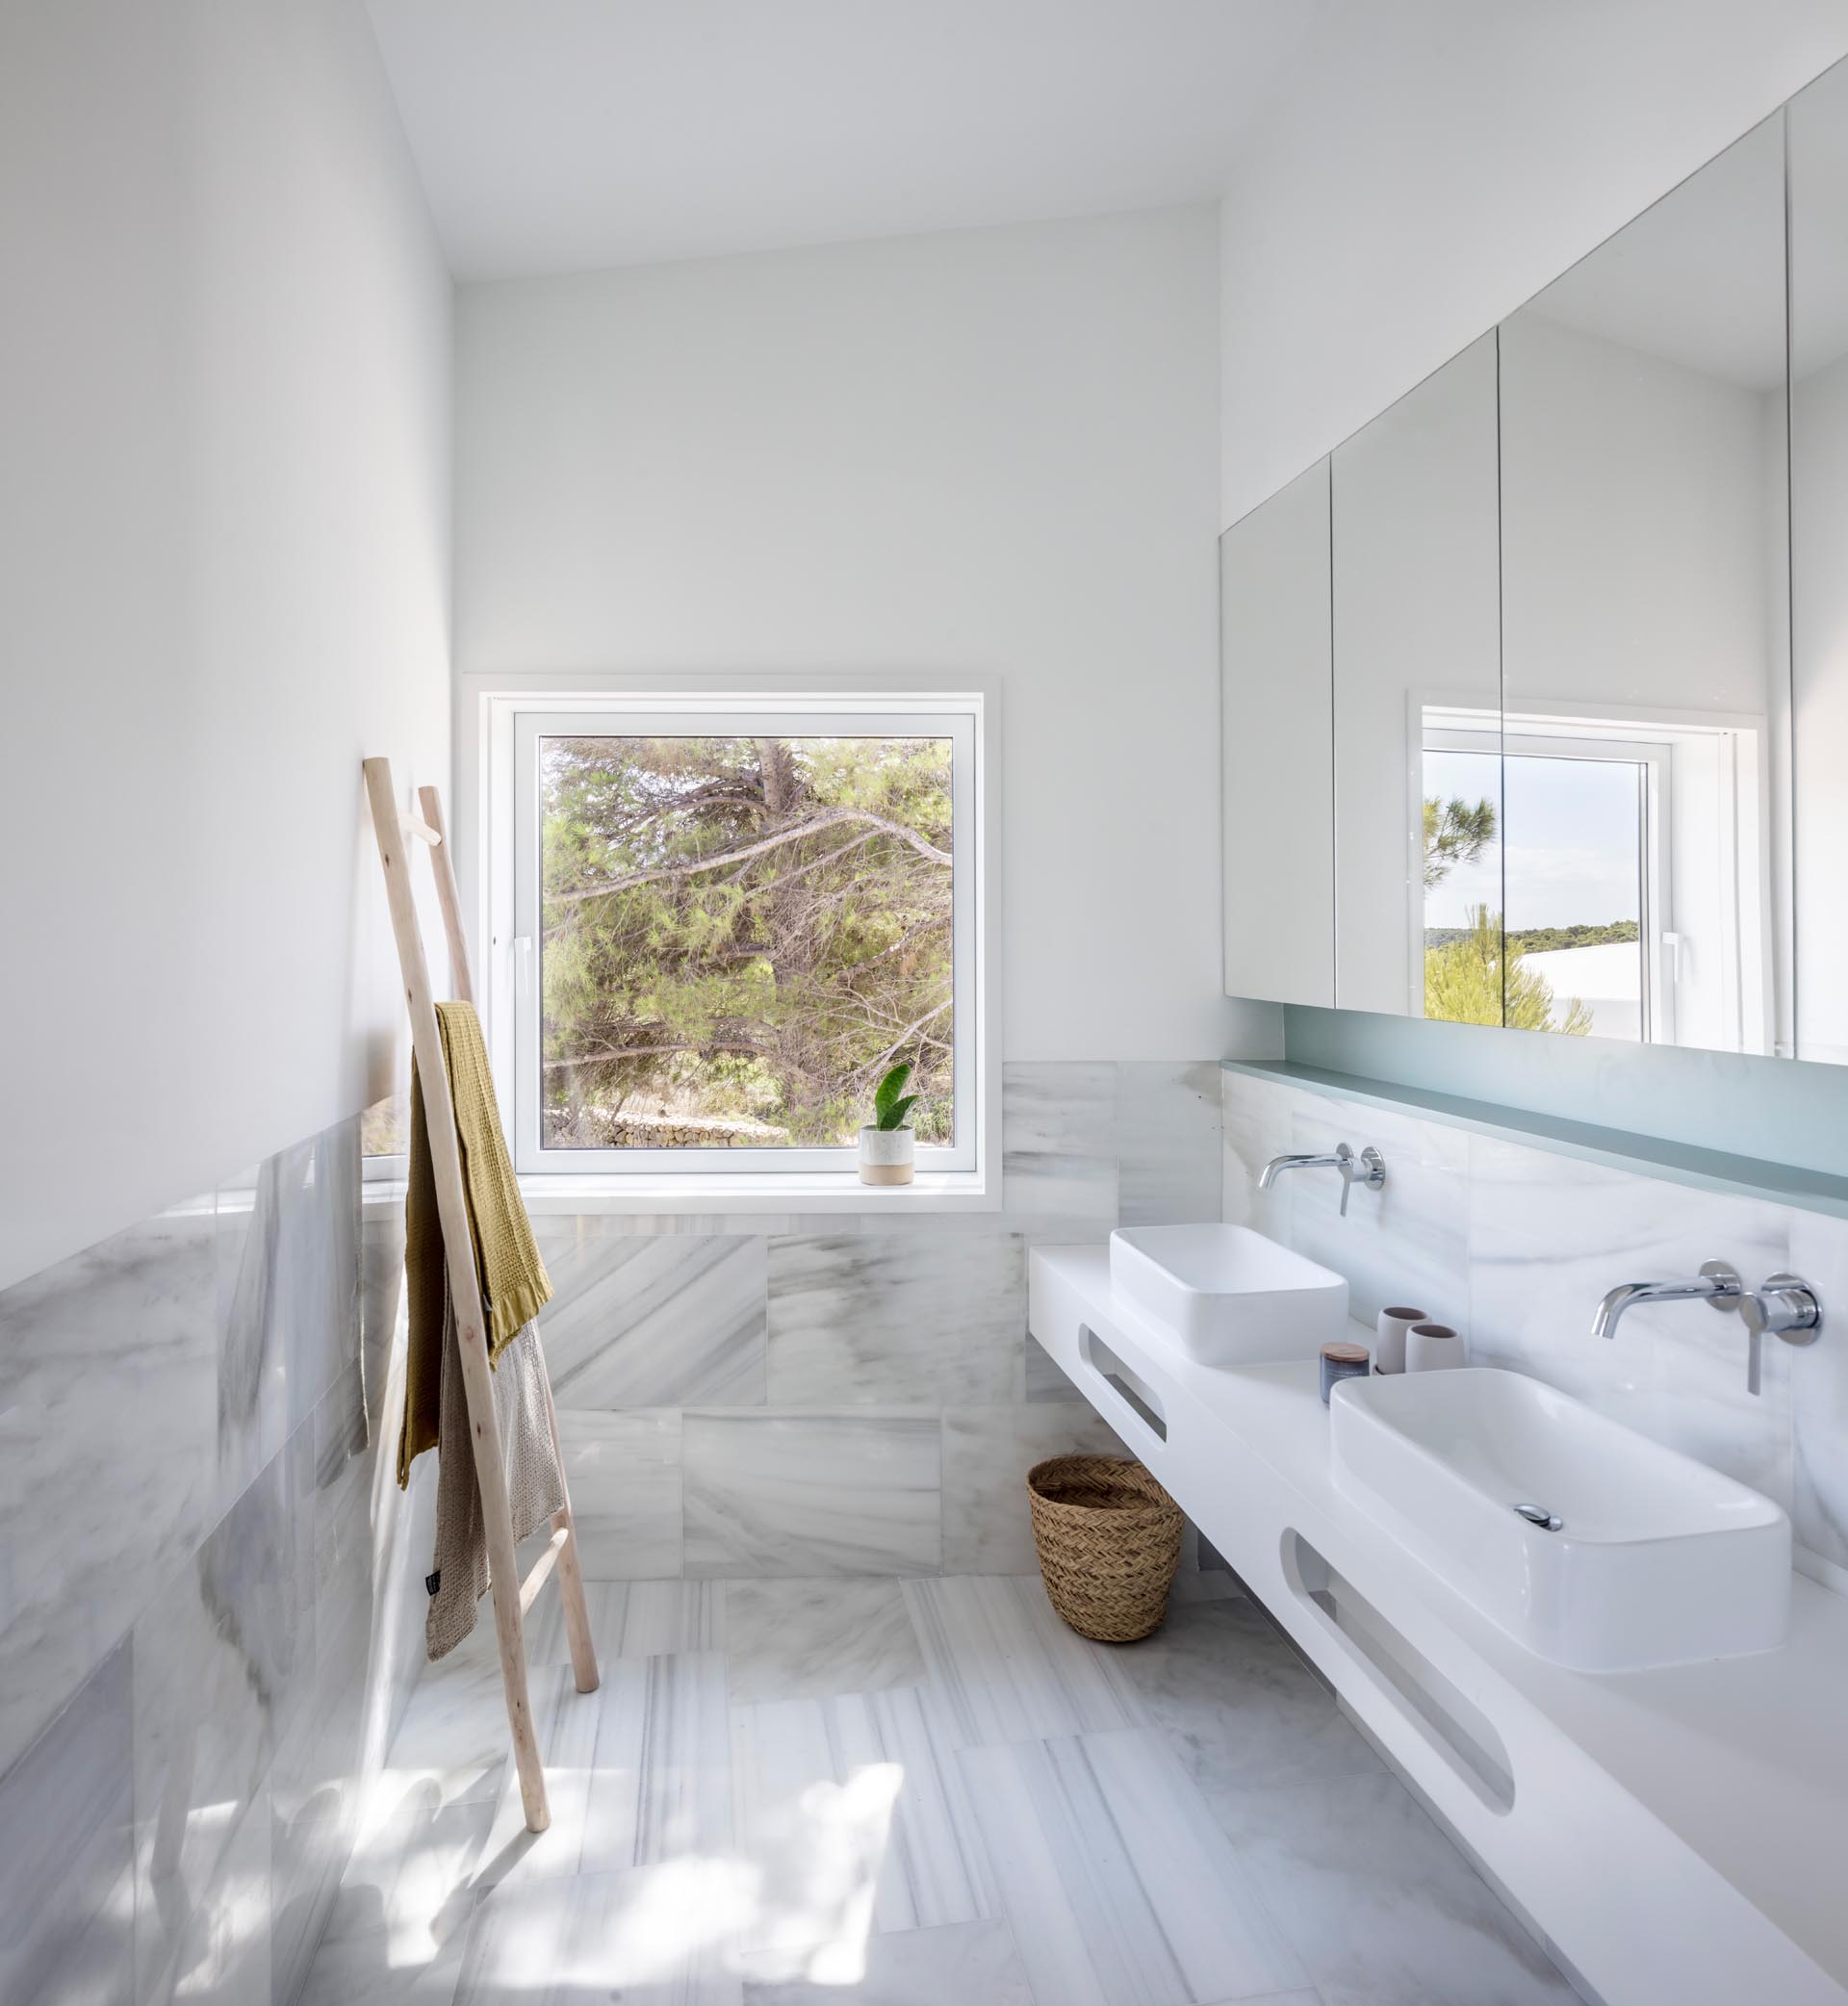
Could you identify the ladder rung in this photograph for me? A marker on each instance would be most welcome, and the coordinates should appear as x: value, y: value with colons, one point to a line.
x: 542, y: 1567
x: 415, y: 825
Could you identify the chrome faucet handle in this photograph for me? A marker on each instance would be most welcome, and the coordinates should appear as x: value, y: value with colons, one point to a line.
x: 1786, y: 1307
x: 1371, y: 1173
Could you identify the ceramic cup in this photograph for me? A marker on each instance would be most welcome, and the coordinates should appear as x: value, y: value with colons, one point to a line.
x: 1389, y: 1353
x: 1432, y: 1348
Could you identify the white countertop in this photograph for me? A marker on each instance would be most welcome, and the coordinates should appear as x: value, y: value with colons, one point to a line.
x: 1744, y: 1759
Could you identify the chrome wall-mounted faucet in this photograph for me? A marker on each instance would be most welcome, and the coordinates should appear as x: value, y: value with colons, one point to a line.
x: 1368, y: 1169
x: 1786, y: 1307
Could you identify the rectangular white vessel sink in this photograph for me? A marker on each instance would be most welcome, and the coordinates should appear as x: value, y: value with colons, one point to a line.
x: 1230, y: 1296
x: 1591, y: 1545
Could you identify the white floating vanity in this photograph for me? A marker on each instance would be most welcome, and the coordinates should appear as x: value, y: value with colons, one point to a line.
x: 1678, y: 1831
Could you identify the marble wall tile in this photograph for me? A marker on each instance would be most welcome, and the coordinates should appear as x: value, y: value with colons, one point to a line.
x: 1003, y: 1668
x: 896, y: 1320
x: 214, y: 1659
x: 253, y: 1418
x: 811, y: 1494
x: 1120, y: 1889
x: 655, y: 1319
x: 109, y: 1454
x: 1406, y: 1243
x: 1380, y: 1907
x: 1045, y: 1378
x: 797, y: 1639
x: 1167, y: 1143
x: 1818, y: 1251
x: 1549, y: 1235
x: 624, y: 1471
x: 987, y: 1528
x: 850, y: 1814
x: 66, y: 1886
x: 1255, y: 1117
x: 224, y: 1954
x: 317, y: 1290
x: 1057, y: 1143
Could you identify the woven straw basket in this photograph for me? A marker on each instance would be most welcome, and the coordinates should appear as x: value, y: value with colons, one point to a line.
x: 1110, y: 1540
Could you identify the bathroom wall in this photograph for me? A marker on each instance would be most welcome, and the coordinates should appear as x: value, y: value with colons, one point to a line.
x: 212, y: 1596
x: 990, y: 451
x: 224, y: 513
x: 851, y: 1393
x: 1514, y: 1246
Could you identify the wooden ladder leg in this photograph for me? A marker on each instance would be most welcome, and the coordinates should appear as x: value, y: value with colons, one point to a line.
x: 571, y: 1576
x: 503, y: 1568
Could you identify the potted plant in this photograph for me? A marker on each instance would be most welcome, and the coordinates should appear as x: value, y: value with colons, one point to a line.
x: 887, y: 1149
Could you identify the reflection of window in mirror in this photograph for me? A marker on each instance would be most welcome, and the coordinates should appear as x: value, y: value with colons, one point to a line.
x: 1595, y: 876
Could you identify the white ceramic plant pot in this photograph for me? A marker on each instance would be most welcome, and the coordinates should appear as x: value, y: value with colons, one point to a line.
x: 886, y: 1155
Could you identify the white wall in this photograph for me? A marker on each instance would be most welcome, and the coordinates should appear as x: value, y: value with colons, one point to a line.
x: 986, y: 452
x: 223, y: 578
x: 1441, y: 162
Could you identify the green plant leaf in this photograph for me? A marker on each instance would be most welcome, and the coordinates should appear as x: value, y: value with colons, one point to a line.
x: 885, y: 1094
x: 893, y: 1117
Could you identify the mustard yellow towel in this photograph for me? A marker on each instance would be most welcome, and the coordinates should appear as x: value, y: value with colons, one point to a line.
x: 513, y: 1278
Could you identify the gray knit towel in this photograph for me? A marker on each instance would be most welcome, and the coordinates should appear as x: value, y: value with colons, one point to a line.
x: 535, y: 1485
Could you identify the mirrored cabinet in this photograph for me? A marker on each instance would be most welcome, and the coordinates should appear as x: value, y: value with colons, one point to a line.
x: 1583, y: 737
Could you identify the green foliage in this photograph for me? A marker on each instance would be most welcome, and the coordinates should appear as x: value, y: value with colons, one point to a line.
x: 744, y: 932
x: 1479, y: 978
x: 1454, y: 832
x: 890, y: 1101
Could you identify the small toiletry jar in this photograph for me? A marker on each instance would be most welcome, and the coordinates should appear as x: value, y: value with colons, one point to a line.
x: 1340, y: 1362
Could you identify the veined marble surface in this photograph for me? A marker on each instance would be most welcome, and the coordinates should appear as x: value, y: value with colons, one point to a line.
x: 1009, y: 1828
x: 812, y: 1494
x: 1515, y: 1245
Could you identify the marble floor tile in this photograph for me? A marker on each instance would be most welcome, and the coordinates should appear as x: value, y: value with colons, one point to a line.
x: 636, y: 1772
x: 655, y: 1319
x: 987, y: 1525
x: 624, y: 1471
x: 367, y: 1969
x: 797, y: 1639
x: 1382, y: 1909
x: 1167, y: 1142
x: 649, y: 1935
x: 1235, y: 1701
x: 972, y: 1963
x: 1057, y: 1143
x: 67, y: 1888
x: 627, y: 1619
x: 1119, y: 1888
x: 851, y: 1815
x: 1003, y: 1666
x: 811, y: 1494
x: 896, y: 1318
x: 412, y: 1877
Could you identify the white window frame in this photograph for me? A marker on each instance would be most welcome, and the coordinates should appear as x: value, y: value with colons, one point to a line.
x: 502, y: 730
x: 1658, y: 742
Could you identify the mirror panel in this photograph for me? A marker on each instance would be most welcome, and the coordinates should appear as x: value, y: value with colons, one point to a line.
x: 1818, y: 142
x: 1646, y: 674
x: 1278, y: 725
x: 1418, y: 698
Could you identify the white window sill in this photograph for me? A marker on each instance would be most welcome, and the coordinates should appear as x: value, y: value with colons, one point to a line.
x: 715, y: 1191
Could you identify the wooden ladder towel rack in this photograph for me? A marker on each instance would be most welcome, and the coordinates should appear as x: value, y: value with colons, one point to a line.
x: 512, y: 1596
